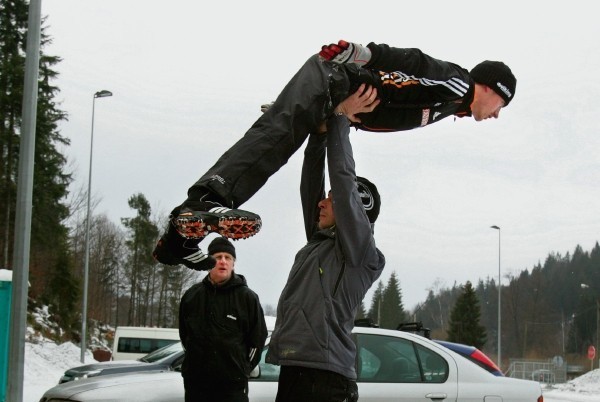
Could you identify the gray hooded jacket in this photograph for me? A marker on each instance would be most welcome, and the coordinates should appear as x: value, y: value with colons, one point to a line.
x: 333, y: 271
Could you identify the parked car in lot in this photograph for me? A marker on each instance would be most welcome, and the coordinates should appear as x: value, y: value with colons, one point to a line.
x: 473, y: 354
x: 391, y: 366
x: 135, y: 342
x: 167, y: 358
x: 470, y: 352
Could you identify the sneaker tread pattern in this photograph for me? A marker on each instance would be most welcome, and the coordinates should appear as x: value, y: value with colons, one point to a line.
x: 231, y: 223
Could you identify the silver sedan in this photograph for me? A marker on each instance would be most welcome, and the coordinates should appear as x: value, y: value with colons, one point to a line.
x: 391, y: 366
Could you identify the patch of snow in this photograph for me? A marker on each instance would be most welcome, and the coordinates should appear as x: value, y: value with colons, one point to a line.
x: 45, y: 363
x: 585, y: 388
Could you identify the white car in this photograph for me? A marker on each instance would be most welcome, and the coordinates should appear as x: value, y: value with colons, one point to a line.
x: 391, y: 366
x: 163, y: 359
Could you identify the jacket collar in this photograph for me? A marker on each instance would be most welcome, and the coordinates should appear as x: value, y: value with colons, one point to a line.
x: 235, y: 281
x: 464, y: 110
x: 322, y: 234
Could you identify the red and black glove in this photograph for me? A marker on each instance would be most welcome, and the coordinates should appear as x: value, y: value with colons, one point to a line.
x: 346, y: 52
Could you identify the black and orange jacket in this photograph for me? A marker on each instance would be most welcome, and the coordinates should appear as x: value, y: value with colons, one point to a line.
x: 415, y: 89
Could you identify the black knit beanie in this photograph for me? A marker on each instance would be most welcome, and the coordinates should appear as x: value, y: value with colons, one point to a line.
x: 498, y: 77
x: 221, y: 245
x: 370, y: 198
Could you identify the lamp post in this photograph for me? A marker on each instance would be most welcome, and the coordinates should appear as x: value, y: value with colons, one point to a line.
x: 499, y: 302
x: 100, y: 94
x: 586, y: 286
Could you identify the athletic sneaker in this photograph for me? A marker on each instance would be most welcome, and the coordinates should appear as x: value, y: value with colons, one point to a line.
x: 172, y: 249
x: 197, y: 219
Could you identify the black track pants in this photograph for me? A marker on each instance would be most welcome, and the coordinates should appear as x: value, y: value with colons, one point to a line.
x: 300, y: 384
x: 305, y: 102
x: 196, y: 391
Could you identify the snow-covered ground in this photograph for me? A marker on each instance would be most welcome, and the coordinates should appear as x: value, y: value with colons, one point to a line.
x: 582, y: 389
x: 45, y: 362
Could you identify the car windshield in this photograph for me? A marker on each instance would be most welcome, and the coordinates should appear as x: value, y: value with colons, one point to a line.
x: 161, y: 353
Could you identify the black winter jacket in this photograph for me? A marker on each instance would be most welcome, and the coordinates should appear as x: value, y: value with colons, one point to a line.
x: 415, y: 89
x: 223, y: 331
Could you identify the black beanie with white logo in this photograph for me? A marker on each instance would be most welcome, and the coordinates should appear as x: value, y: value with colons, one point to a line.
x: 370, y: 198
x: 498, y: 77
x: 221, y: 245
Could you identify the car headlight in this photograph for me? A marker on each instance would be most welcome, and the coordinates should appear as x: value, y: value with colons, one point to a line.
x: 88, y: 374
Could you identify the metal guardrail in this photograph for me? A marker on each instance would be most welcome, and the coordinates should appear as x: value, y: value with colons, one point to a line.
x: 543, y: 371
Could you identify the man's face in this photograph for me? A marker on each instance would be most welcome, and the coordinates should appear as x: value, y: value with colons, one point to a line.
x: 326, y: 216
x: 223, y: 268
x: 486, y: 103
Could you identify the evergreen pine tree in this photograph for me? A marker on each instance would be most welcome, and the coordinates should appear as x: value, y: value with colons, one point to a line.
x: 360, y: 312
x: 65, y: 295
x: 50, y: 182
x: 392, y: 310
x: 13, y: 22
x: 464, y: 320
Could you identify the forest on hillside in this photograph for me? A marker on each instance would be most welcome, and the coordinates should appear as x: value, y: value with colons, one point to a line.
x: 548, y: 310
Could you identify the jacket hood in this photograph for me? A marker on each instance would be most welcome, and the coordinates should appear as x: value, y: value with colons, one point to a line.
x: 235, y: 281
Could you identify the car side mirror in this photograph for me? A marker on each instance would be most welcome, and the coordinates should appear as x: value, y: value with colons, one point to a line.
x: 255, y: 373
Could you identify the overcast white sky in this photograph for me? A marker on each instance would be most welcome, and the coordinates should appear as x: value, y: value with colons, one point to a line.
x: 188, y: 79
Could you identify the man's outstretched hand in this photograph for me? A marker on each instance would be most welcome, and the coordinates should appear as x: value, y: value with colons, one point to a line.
x: 346, y: 52
x: 364, y: 100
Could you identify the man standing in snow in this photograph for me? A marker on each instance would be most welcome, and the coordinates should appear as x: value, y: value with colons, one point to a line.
x: 222, y: 328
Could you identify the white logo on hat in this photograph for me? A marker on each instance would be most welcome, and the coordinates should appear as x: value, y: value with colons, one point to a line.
x: 365, y: 196
x: 504, y: 89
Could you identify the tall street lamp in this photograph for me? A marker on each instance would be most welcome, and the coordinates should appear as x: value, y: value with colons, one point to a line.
x: 100, y: 94
x: 586, y: 286
x: 499, y: 301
